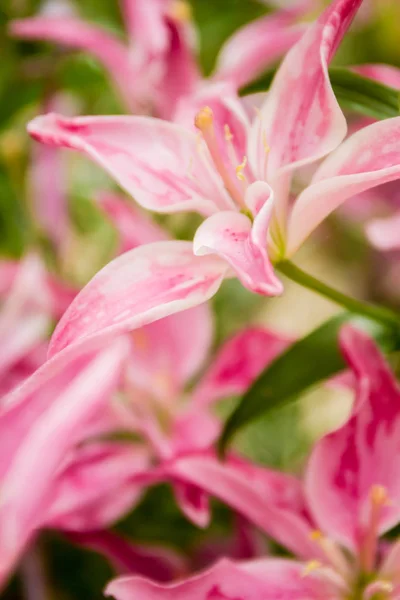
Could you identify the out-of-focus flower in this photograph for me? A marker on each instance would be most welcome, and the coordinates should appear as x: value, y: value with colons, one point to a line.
x: 237, y: 175
x: 32, y: 300
x: 39, y: 424
x: 351, y: 491
x: 158, y: 66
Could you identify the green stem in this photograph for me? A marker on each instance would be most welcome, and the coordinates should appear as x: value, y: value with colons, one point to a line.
x: 377, y: 313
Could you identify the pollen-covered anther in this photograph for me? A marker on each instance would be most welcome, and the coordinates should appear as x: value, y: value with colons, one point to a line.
x: 310, y: 567
x: 240, y: 168
x: 180, y: 10
x: 204, y: 119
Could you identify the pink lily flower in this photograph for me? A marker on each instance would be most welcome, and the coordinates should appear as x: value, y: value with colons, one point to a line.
x: 31, y: 301
x: 158, y: 66
x: 350, y: 498
x: 39, y: 424
x: 238, y: 175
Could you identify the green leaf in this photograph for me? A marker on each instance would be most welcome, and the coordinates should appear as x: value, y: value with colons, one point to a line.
x: 354, y: 93
x: 311, y: 360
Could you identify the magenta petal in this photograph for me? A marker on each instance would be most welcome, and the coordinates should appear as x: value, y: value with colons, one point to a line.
x: 368, y: 158
x: 157, y: 162
x: 227, y: 580
x: 97, y: 485
x: 138, y: 287
x: 40, y: 422
x: 238, y: 362
x: 229, y: 234
x: 271, y: 500
x: 149, y: 561
x: 301, y: 120
x: 193, y: 502
x: 346, y: 464
x: 255, y: 47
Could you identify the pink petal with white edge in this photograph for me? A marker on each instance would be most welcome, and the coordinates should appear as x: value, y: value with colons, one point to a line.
x: 140, y: 286
x: 159, y: 163
x: 193, y: 502
x: 227, y: 580
x: 96, y: 487
x: 301, y: 120
x: 160, y: 564
x: 233, y: 237
x: 384, y: 234
x: 133, y: 225
x: 76, y: 34
x: 271, y: 500
x: 346, y: 464
x: 50, y: 435
x: 368, y: 158
x: 238, y: 362
x: 255, y: 47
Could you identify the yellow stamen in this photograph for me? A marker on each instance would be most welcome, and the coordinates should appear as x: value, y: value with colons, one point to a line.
x: 379, y: 496
x: 265, y: 144
x: 316, y: 535
x: 204, y: 119
x: 180, y: 10
x: 310, y: 567
x: 239, y: 169
x: 228, y: 133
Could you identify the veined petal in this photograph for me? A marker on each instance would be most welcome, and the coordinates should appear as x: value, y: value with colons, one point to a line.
x: 269, y: 499
x: 347, y: 465
x: 56, y: 415
x: 255, y: 47
x: 77, y: 34
x: 368, y: 158
x: 269, y: 579
x: 133, y: 225
x: 238, y: 362
x: 159, y: 163
x: 229, y: 235
x: 140, y: 286
x: 301, y: 120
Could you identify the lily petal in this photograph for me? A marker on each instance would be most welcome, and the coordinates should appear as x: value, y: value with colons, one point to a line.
x: 133, y: 225
x: 368, y: 158
x: 271, y: 500
x: 160, y: 563
x: 159, y: 163
x: 301, y: 120
x: 232, y: 236
x: 255, y: 47
x: 346, y: 464
x: 268, y: 579
x: 238, y: 362
x: 57, y: 403
x: 96, y: 486
x: 384, y: 234
x: 140, y: 286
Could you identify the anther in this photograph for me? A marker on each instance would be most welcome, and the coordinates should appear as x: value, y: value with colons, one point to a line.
x: 310, y: 567
x: 204, y: 118
x: 240, y: 168
x: 180, y: 11
x: 228, y: 133
x: 332, y: 552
